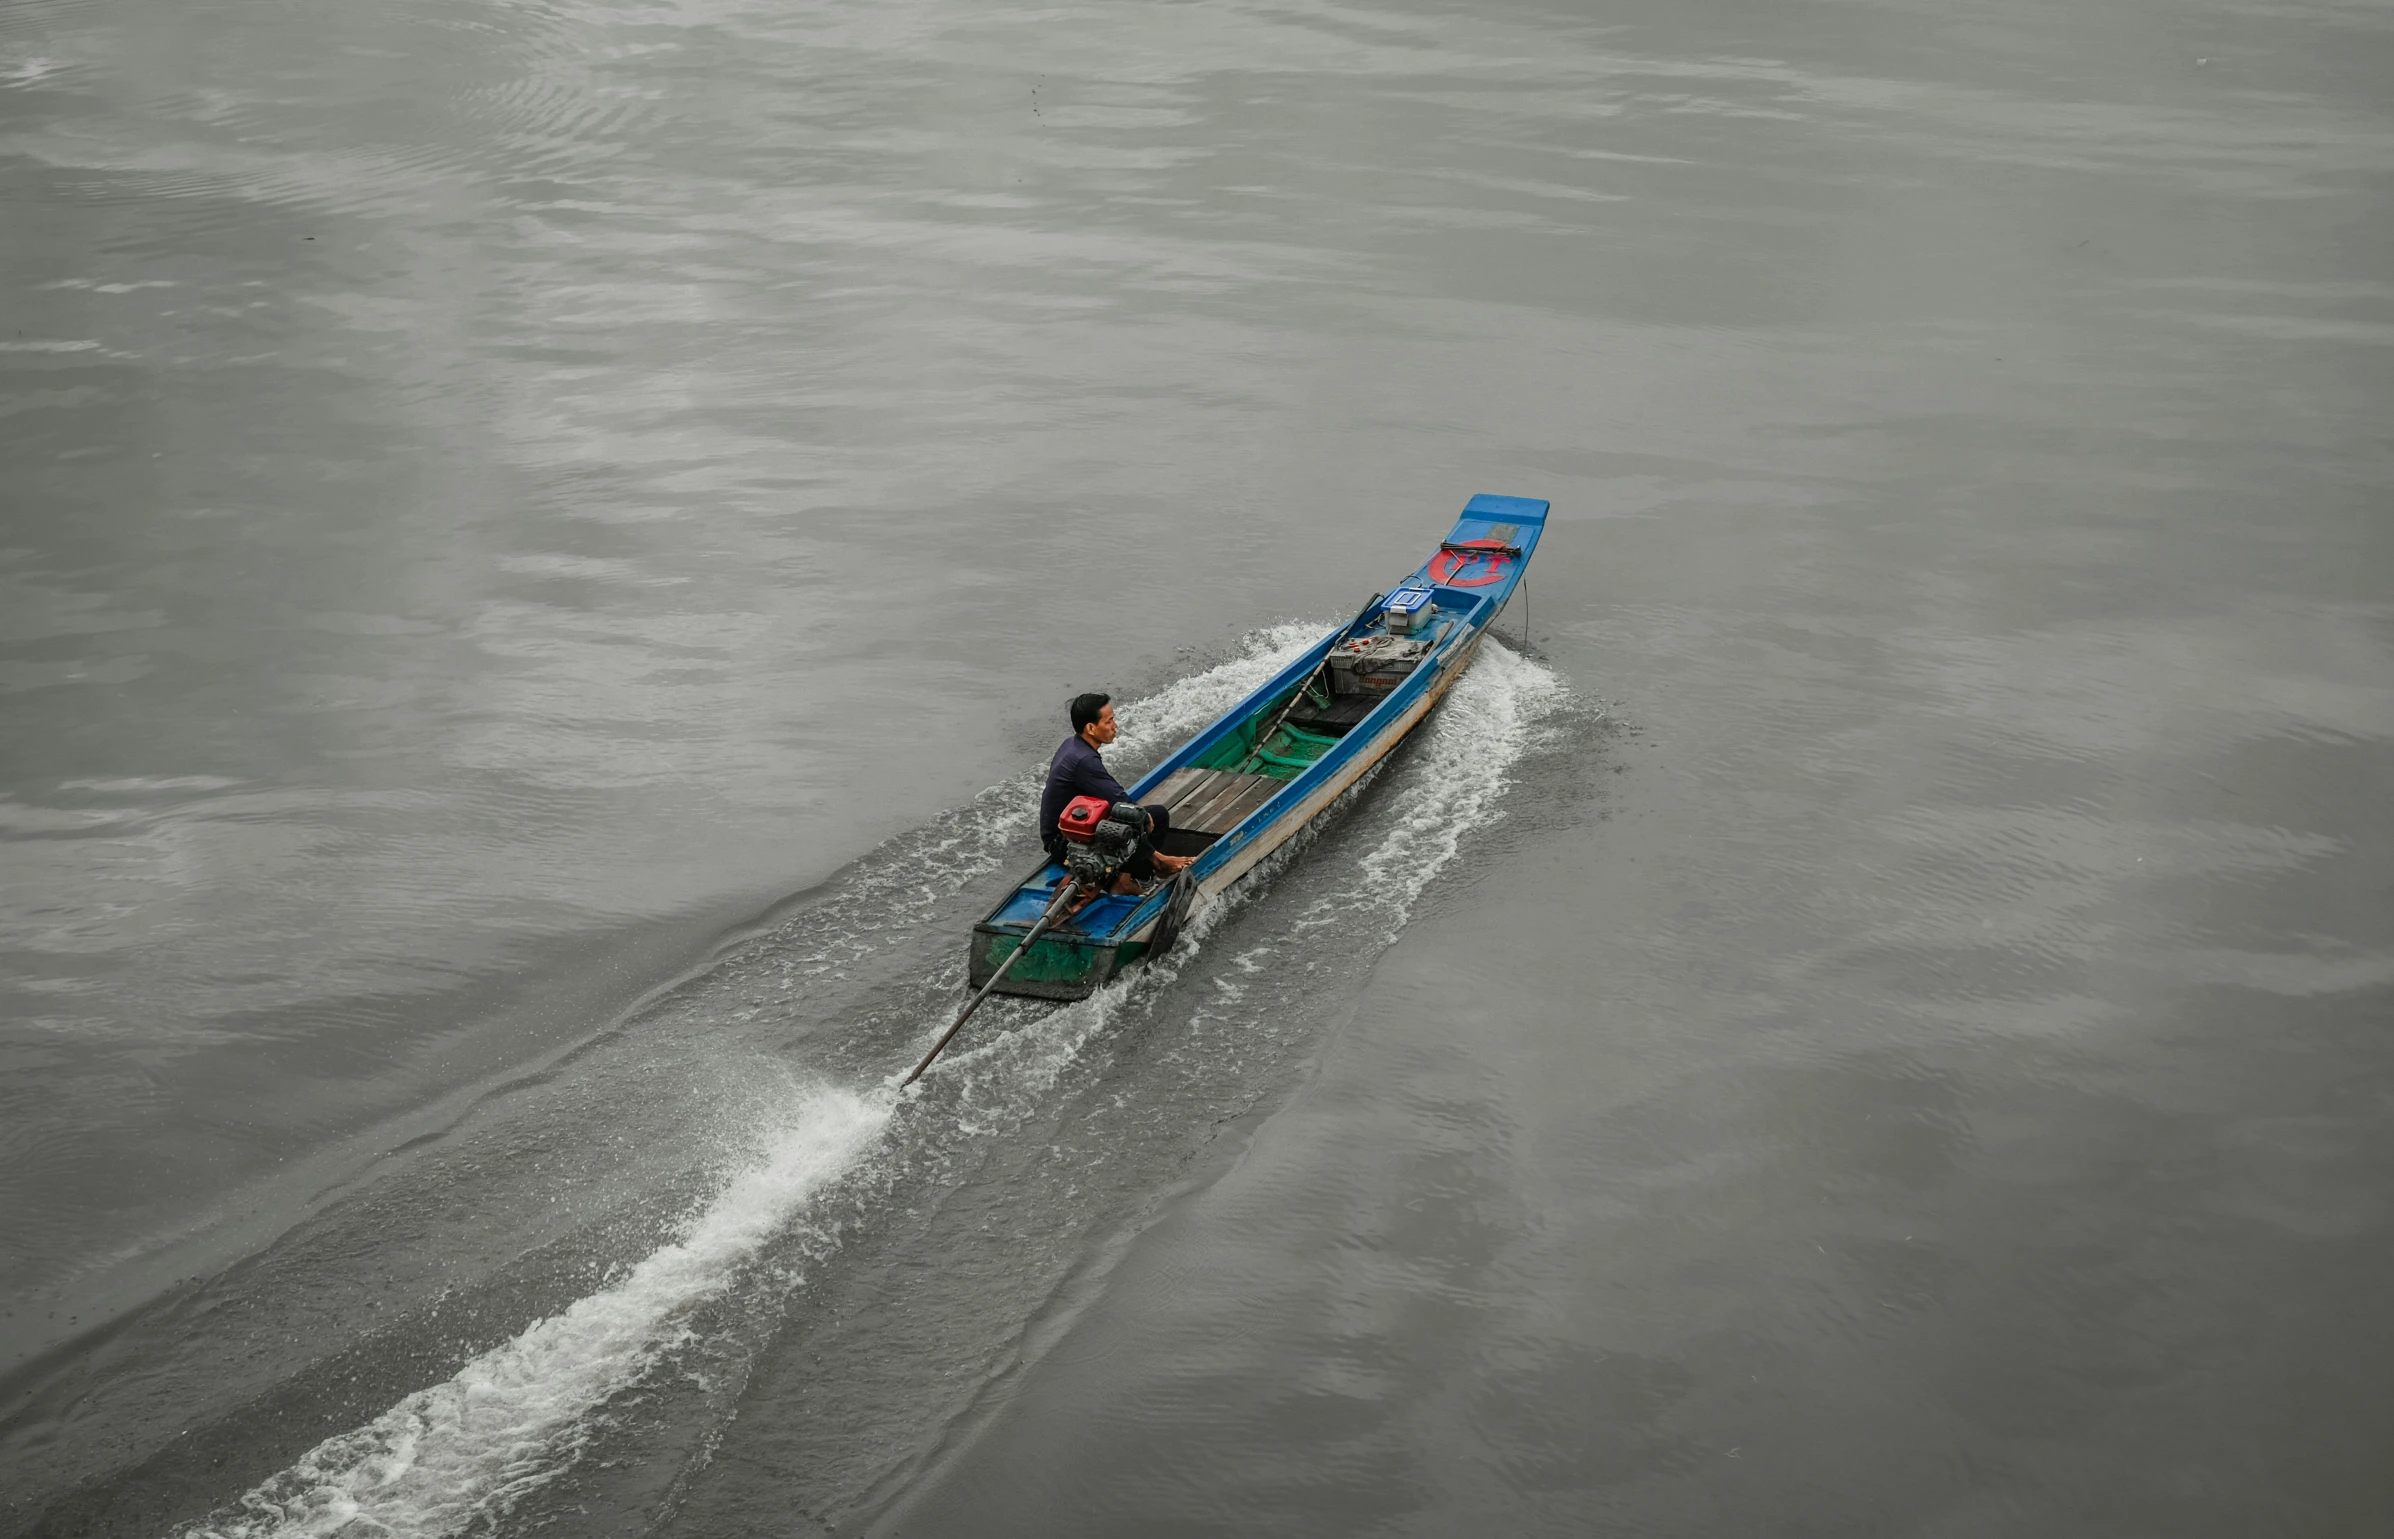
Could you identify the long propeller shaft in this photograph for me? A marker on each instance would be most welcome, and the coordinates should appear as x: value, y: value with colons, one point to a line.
x: 1066, y: 891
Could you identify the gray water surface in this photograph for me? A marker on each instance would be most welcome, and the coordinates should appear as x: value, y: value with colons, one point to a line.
x: 542, y: 546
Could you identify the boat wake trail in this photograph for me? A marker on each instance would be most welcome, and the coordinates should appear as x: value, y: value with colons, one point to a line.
x: 469, y: 1451
x: 511, y: 1418
x: 1456, y: 781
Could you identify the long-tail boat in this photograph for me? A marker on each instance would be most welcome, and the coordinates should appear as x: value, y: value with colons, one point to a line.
x: 1268, y: 766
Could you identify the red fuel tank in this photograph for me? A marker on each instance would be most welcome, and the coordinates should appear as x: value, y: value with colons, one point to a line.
x: 1081, y: 816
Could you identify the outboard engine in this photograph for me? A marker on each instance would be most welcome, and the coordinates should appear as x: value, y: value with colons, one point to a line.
x: 1099, y: 838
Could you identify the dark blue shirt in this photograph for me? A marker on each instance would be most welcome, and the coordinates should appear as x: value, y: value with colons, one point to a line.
x: 1076, y: 770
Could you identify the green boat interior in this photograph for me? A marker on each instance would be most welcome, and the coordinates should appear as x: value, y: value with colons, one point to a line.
x: 1211, y: 795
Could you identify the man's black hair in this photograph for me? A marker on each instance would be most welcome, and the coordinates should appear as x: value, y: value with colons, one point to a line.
x: 1085, y: 709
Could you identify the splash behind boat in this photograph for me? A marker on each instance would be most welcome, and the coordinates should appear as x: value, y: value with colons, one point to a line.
x: 1268, y: 766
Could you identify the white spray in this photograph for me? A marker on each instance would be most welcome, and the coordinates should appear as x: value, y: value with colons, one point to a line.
x: 509, y: 1420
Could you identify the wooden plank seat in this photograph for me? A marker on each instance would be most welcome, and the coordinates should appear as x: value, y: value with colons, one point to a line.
x: 1205, y: 801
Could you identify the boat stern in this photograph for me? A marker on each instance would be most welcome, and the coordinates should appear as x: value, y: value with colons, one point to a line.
x: 1060, y: 966
x: 1072, y: 961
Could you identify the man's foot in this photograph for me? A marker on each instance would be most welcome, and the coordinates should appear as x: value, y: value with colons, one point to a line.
x: 1174, y: 865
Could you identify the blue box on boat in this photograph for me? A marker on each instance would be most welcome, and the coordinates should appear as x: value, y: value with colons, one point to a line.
x: 1406, y: 609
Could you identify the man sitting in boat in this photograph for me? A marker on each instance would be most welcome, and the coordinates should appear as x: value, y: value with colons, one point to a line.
x: 1078, y: 770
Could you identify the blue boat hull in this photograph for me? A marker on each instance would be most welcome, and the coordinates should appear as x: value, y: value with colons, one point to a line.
x: 1475, y: 570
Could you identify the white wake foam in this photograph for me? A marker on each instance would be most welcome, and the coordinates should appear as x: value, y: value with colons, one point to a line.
x: 1455, y: 782
x: 1162, y: 719
x: 508, y: 1421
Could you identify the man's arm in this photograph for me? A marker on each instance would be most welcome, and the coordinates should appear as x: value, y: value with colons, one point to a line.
x: 1092, y: 780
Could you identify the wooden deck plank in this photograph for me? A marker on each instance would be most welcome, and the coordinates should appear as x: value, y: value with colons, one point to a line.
x: 1225, y: 816
x: 1188, y: 788
x: 1178, y: 785
x: 1190, y: 814
x: 1204, y: 787
x: 1216, y: 808
x: 1211, y: 801
x: 1223, y: 811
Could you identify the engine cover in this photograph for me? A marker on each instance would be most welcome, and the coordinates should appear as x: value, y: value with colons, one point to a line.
x: 1093, y: 856
x: 1080, y: 818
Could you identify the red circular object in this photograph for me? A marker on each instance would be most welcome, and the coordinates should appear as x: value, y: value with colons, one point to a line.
x: 1447, y: 563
